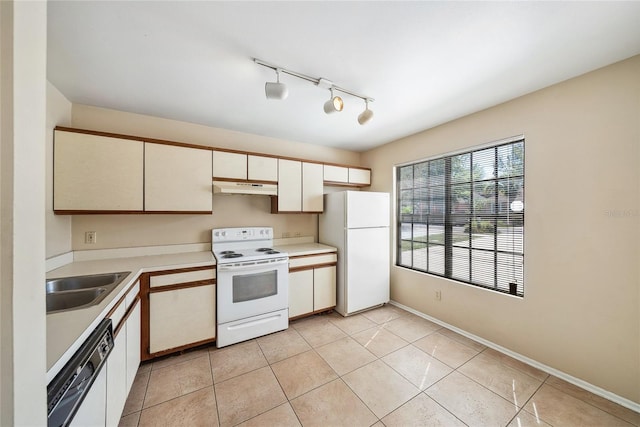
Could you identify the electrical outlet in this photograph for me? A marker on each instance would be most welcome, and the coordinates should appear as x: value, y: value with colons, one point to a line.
x: 438, y: 295
x: 90, y: 237
x: 286, y: 235
x: 297, y: 234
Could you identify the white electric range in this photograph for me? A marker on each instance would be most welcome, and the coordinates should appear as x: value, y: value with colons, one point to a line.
x: 252, y: 283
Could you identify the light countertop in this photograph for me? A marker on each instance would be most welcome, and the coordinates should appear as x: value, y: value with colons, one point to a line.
x: 67, y: 330
x: 301, y: 249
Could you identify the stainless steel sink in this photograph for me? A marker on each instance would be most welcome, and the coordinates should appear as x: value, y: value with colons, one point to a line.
x: 59, y: 301
x: 72, y: 293
x: 85, y: 282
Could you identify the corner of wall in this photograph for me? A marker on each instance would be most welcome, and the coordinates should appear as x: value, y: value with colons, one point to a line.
x: 57, y: 227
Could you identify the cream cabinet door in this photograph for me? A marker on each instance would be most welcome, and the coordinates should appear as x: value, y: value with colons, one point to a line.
x: 117, y: 378
x: 177, y: 179
x: 300, y: 292
x: 359, y: 176
x: 324, y: 287
x: 336, y: 173
x: 262, y: 168
x: 312, y: 186
x: 229, y: 165
x: 181, y: 317
x: 97, y: 173
x: 133, y: 344
x: 289, y: 185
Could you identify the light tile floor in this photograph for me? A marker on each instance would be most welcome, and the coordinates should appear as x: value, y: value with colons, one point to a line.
x: 384, y: 367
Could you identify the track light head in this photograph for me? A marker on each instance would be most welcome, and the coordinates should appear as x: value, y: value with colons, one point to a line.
x: 366, y: 115
x: 334, y: 104
x: 276, y: 90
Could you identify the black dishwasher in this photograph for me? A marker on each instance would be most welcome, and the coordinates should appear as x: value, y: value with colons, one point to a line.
x: 68, y: 389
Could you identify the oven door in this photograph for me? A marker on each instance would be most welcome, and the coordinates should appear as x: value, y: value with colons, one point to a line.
x: 252, y: 288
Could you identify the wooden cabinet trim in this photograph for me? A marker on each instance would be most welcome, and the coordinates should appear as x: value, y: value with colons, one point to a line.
x: 312, y: 267
x: 144, y: 316
x: 249, y: 181
x: 345, y: 184
x: 202, y: 147
x: 181, y: 270
x: 312, y: 255
x: 181, y: 348
x: 182, y: 286
x: 126, y: 315
x: 124, y: 296
x: 74, y: 212
x: 146, y: 291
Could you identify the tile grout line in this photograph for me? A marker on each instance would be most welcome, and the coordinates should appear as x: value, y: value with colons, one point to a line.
x: 213, y: 387
x: 288, y: 401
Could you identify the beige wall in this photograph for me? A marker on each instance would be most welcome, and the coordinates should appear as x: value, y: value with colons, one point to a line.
x: 114, y: 231
x: 581, y: 310
x: 58, y: 227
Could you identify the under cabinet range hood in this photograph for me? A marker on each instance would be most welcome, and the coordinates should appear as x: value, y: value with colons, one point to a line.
x: 228, y: 187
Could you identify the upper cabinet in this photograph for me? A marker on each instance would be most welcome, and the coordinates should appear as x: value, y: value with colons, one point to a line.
x: 97, y: 173
x: 177, y: 179
x: 338, y: 174
x: 232, y: 166
x: 228, y: 165
x: 262, y: 168
x: 359, y: 176
x: 289, y: 187
x: 104, y: 174
x: 299, y: 187
x: 312, y: 188
x: 346, y: 176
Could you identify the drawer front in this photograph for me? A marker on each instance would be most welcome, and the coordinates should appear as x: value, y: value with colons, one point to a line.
x: 117, y: 315
x: 132, y: 294
x: 306, y: 261
x: 185, y: 277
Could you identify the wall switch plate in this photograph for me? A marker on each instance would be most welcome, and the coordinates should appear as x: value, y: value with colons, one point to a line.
x: 286, y: 235
x: 438, y: 295
x: 90, y: 237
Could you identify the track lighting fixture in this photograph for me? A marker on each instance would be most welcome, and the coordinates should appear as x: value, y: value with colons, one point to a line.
x: 366, y: 115
x: 277, y: 90
x: 334, y: 104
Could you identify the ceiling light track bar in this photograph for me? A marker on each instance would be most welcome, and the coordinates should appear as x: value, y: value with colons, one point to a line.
x: 314, y: 80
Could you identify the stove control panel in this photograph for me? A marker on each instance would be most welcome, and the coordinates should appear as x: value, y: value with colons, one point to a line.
x: 219, y: 235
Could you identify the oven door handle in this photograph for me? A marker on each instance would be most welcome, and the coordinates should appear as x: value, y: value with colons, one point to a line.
x: 253, y: 265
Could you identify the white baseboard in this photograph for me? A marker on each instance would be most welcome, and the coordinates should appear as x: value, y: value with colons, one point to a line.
x: 548, y: 369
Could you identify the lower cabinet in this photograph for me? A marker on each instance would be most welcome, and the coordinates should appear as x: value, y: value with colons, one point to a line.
x: 324, y: 288
x: 124, y: 359
x: 180, y: 310
x: 312, y: 284
x: 133, y: 344
x: 117, y: 380
x: 300, y: 293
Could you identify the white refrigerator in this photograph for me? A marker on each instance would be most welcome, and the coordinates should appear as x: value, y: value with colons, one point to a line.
x: 357, y: 223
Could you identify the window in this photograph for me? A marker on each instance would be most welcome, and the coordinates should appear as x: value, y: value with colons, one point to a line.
x: 462, y: 217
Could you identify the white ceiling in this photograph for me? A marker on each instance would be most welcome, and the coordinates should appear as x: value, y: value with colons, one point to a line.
x: 425, y: 63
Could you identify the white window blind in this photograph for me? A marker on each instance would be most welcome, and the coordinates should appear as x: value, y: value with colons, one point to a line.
x: 461, y: 216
